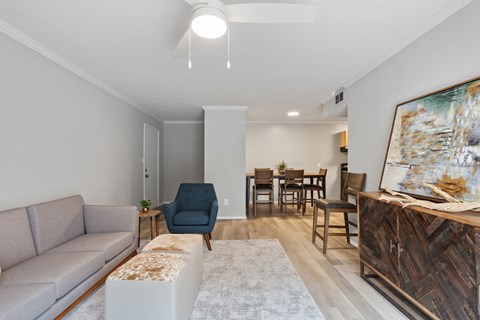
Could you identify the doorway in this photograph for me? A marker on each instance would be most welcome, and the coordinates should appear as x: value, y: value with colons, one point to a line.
x: 151, y: 144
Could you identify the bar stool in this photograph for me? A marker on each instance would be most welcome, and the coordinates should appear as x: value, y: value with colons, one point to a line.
x: 355, y: 183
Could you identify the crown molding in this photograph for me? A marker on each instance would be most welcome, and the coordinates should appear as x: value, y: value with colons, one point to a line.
x: 225, y: 108
x: 183, y: 122
x: 339, y: 121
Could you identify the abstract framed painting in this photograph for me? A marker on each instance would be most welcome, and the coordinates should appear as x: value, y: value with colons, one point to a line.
x: 436, y: 139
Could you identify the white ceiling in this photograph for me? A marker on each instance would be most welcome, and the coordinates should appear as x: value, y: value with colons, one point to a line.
x: 126, y: 47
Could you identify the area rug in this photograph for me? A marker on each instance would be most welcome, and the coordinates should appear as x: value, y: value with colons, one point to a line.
x: 243, y: 279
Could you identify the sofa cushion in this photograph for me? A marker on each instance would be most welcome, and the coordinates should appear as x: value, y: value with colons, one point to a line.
x: 16, y: 241
x: 111, y: 244
x: 191, y: 218
x: 25, y: 301
x: 56, y: 222
x: 65, y: 270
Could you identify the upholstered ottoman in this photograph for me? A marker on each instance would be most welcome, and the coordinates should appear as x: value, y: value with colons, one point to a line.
x: 185, y: 243
x: 191, y: 244
x: 153, y: 286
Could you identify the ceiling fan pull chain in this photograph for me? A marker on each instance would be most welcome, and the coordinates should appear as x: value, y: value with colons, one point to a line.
x: 228, y: 45
x: 190, y: 48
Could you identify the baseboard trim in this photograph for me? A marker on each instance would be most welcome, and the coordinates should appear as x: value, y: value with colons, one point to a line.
x: 354, y: 242
x: 232, y: 218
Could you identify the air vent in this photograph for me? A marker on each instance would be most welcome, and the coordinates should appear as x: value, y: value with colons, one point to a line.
x: 339, y: 97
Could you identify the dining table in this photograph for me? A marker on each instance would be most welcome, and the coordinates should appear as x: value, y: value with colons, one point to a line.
x: 276, y: 175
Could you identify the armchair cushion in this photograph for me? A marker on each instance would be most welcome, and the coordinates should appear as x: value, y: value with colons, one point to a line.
x: 191, y: 218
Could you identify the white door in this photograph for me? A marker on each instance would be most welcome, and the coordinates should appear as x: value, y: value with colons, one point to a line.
x: 151, y: 138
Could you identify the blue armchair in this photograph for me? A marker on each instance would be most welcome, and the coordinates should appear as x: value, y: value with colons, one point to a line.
x: 194, y: 210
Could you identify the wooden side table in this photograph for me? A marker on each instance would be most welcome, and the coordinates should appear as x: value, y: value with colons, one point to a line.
x: 154, y: 217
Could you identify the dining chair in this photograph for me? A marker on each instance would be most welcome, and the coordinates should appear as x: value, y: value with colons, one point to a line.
x: 281, y: 180
x: 263, y: 186
x: 355, y: 183
x: 293, y: 185
x: 319, y: 186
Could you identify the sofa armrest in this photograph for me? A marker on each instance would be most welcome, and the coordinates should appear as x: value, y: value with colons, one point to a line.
x: 111, y: 219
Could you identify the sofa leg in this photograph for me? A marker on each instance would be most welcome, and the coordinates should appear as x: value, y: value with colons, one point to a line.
x: 207, y: 241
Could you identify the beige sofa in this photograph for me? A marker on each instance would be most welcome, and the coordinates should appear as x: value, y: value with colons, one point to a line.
x: 53, y: 252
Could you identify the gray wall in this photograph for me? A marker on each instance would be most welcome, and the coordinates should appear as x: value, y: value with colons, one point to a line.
x: 446, y: 55
x: 60, y: 135
x: 225, y: 158
x: 183, y: 156
x: 302, y: 146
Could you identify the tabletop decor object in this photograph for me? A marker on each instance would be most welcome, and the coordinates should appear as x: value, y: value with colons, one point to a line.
x: 145, y: 203
x: 282, y: 166
x: 452, y: 204
x: 436, y: 139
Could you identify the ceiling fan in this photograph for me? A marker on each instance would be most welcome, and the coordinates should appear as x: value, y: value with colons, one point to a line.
x: 210, y: 18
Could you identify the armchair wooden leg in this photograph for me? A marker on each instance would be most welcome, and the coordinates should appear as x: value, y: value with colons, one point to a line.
x: 207, y: 241
x: 210, y: 235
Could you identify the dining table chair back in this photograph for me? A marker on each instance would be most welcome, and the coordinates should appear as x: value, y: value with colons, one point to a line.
x: 263, y: 186
x: 292, y: 186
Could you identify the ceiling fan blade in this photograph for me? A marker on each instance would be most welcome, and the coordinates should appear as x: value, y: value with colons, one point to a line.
x: 271, y: 12
x: 181, y: 49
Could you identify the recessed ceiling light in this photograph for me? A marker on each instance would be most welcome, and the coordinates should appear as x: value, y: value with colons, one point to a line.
x: 293, y: 113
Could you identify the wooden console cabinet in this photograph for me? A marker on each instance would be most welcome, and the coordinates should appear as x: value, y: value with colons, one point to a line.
x: 432, y: 258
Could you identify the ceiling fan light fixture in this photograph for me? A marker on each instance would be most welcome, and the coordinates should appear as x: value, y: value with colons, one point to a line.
x: 209, y: 22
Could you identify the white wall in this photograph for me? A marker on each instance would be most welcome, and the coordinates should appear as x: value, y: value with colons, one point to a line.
x: 446, y: 55
x: 60, y: 135
x: 225, y: 158
x: 302, y: 146
x: 183, y: 156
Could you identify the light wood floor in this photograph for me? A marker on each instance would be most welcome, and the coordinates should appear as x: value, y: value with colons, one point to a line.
x: 332, y: 279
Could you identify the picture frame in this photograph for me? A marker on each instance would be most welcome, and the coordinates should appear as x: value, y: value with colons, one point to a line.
x: 435, y: 139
